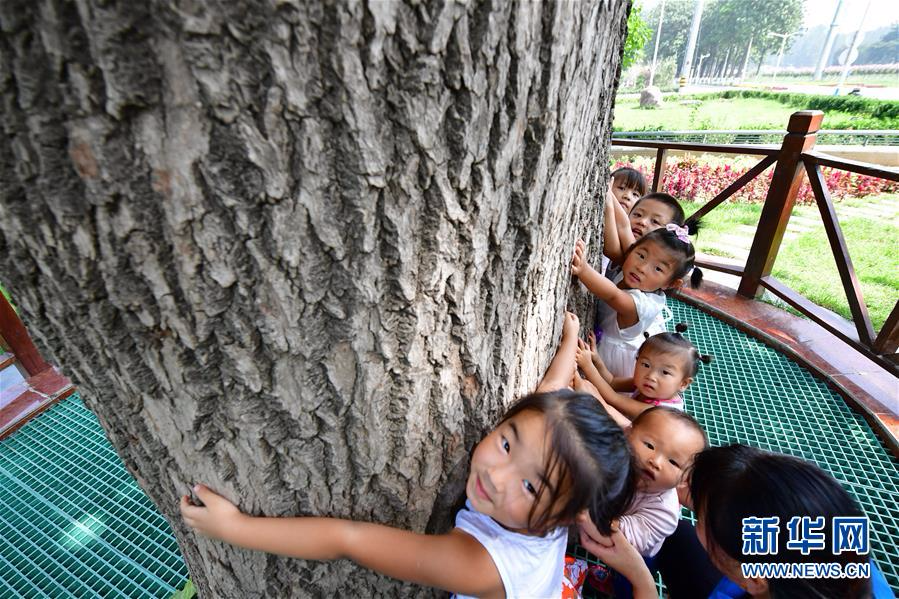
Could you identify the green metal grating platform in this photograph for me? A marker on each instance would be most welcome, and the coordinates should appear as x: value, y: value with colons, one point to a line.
x: 73, y: 522
x: 754, y: 395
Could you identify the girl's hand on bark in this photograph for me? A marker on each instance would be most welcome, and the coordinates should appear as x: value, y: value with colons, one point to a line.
x: 215, y: 518
x: 579, y: 260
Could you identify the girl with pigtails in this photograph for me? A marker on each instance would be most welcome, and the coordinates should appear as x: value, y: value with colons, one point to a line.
x: 661, y: 259
x: 665, y: 366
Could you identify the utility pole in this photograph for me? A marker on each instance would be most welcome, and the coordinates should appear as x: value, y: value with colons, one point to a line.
x: 724, y: 70
x: 828, y: 43
x: 746, y: 60
x: 699, y: 66
x: 691, y: 44
x: 655, y: 53
x: 852, y: 49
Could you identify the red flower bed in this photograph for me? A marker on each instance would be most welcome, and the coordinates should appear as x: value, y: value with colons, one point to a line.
x: 690, y: 178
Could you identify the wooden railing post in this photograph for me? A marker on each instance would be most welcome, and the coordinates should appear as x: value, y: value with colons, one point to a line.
x: 887, y: 341
x: 20, y: 344
x: 659, y: 174
x: 800, y: 137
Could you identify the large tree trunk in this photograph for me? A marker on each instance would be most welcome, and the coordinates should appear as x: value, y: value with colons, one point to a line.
x: 303, y: 252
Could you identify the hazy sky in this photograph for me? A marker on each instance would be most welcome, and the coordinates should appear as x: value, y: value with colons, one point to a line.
x: 820, y: 12
x: 881, y: 13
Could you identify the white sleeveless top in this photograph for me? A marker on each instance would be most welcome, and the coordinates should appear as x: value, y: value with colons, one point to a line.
x: 618, y: 347
x: 529, y: 566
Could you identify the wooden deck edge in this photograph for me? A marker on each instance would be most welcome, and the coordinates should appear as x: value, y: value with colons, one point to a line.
x: 39, y: 393
x: 877, y: 425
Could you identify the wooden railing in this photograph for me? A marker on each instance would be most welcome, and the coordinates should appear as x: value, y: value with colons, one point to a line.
x: 792, y: 160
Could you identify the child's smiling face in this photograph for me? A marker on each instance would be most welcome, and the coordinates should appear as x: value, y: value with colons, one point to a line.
x: 649, y: 215
x: 664, y: 446
x: 508, y: 469
x: 660, y: 374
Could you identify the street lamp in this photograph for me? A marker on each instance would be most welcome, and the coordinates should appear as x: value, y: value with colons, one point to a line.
x: 783, y: 42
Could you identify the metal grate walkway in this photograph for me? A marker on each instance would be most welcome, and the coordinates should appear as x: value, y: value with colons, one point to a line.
x: 73, y: 522
x: 754, y: 395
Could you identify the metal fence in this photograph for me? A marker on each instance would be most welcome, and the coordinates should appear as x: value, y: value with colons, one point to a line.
x: 835, y: 137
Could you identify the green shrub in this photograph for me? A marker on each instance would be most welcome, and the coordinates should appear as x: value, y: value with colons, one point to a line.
x: 878, y: 109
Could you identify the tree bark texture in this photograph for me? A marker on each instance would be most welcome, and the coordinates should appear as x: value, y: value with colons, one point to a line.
x: 305, y: 252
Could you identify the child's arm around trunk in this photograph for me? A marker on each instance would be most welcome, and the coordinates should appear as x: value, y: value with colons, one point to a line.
x: 455, y: 561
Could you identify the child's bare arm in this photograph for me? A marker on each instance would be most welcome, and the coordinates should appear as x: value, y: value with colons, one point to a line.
x: 594, y: 377
x: 455, y: 561
x: 583, y: 386
x: 558, y: 375
x: 618, y: 383
x: 628, y: 406
x: 625, y: 404
x: 611, y: 244
x: 610, y: 399
x: 588, y: 361
x: 588, y: 351
x: 619, y: 300
x: 623, y: 384
x: 623, y: 223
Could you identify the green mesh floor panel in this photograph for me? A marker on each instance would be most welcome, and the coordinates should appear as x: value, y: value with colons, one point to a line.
x: 73, y: 522
x: 754, y: 395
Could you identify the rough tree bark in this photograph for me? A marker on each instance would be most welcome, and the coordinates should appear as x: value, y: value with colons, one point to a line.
x: 305, y: 252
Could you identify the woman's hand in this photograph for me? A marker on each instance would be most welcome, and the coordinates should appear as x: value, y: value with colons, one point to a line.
x: 616, y: 552
x: 579, y: 260
x: 215, y: 518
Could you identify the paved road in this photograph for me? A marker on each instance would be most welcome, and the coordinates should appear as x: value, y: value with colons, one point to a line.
x: 879, y: 93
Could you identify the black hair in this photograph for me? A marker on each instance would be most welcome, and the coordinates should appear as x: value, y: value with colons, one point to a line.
x: 735, y: 482
x: 589, y: 456
x: 678, y: 216
x: 676, y: 414
x: 631, y: 178
x: 684, y: 249
x: 676, y: 343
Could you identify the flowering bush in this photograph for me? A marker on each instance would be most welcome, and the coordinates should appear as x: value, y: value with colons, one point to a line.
x: 692, y: 178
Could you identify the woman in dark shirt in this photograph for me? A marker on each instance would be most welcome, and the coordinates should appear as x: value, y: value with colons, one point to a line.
x: 737, y: 482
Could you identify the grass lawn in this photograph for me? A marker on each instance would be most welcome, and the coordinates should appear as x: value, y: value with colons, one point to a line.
x: 806, y: 261
x: 715, y: 113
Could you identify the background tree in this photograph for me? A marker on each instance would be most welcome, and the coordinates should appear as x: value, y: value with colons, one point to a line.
x: 883, y: 47
x: 305, y: 252
x: 724, y: 35
x: 773, y: 16
x: 638, y: 33
x: 675, y: 28
x: 725, y: 29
